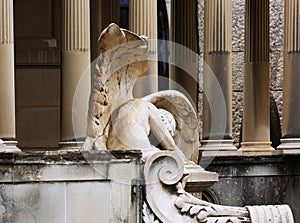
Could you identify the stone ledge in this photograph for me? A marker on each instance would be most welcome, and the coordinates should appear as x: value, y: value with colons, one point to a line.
x: 68, y: 157
x: 240, y: 159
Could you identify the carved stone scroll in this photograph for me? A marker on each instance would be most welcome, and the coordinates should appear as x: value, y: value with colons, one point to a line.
x: 170, y: 202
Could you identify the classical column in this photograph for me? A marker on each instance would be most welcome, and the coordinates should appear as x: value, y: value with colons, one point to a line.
x: 75, y: 62
x: 217, y: 75
x: 143, y: 21
x: 256, y: 111
x: 7, y: 78
x: 291, y: 89
x: 184, y: 55
x: 103, y: 12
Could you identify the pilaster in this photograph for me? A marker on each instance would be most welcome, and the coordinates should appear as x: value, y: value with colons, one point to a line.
x: 7, y: 80
x: 75, y: 62
x: 217, y: 75
x: 291, y: 91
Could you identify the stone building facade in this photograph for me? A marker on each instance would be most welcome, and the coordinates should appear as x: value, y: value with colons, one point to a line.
x: 47, y: 46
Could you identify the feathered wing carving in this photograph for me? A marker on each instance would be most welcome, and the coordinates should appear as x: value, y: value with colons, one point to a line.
x: 186, y: 135
x: 122, y: 60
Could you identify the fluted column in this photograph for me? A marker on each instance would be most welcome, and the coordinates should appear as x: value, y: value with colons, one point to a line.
x: 256, y: 111
x: 75, y: 62
x: 185, y: 75
x: 103, y: 12
x: 143, y: 21
x: 7, y: 78
x: 217, y: 75
x: 291, y: 88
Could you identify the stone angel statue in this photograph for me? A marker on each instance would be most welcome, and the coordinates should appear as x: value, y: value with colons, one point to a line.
x: 117, y: 121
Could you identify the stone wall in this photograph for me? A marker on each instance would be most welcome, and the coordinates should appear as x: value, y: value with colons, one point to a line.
x: 276, y: 56
x: 47, y: 187
x: 257, y: 180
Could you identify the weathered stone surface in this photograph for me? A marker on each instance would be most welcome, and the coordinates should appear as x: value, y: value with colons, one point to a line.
x: 165, y: 177
x: 279, y: 102
x: 200, y: 113
x: 123, y: 59
x: 201, y: 70
x: 238, y: 25
x: 258, y: 180
x: 46, y: 187
x: 237, y: 71
x: 55, y: 202
x: 276, y: 24
x: 201, y: 24
x: 276, y: 70
x: 32, y: 203
x: 95, y: 196
x: 237, y: 115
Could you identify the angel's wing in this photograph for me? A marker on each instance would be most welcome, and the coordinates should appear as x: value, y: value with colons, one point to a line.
x: 187, y: 135
x: 122, y: 60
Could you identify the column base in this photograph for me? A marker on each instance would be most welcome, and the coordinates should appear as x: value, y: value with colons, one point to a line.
x: 213, y: 148
x: 2, y: 146
x: 70, y: 145
x: 290, y: 146
x: 258, y: 149
x: 9, y: 147
x: 217, y: 145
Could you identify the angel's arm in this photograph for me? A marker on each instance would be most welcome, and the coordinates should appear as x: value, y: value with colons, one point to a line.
x: 160, y: 131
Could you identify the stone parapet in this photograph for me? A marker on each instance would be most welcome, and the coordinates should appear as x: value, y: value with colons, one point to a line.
x: 47, y: 187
